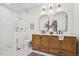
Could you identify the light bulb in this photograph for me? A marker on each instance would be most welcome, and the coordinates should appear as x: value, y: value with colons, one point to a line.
x: 43, y: 9
x: 50, y: 6
x: 59, y: 8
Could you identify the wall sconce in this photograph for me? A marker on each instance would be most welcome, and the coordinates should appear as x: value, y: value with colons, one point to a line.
x: 59, y: 8
x: 50, y: 6
x: 51, y: 11
x: 43, y: 10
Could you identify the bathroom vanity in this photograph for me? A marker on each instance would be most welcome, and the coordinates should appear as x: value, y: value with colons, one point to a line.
x: 52, y: 44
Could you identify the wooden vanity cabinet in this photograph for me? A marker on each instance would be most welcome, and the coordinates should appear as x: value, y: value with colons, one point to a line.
x: 44, y: 43
x: 69, y: 45
x: 54, y: 44
x: 36, y: 42
x: 51, y: 44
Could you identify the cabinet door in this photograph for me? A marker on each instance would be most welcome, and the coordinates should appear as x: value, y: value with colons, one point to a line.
x: 54, y: 42
x: 69, y: 45
x: 35, y: 42
x: 44, y: 43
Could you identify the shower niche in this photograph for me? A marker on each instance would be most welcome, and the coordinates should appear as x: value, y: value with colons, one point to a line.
x: 19, y: 25
x: 20, y: 32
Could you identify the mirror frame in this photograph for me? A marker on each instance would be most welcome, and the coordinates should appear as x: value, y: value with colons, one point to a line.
x: 40, y: 18
x: 66, y: 28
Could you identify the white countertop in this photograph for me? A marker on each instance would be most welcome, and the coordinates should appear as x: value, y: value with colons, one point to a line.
x: 65, y: 34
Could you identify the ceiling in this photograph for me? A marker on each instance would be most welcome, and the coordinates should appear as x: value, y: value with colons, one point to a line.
x: 19, y: 7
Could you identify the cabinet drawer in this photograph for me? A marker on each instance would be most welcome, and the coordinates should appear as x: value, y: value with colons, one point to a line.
x: 60, y: 52
x: 36, y: 40
x: 65, y: 53
x: 54, y: 42
x: 69, y: 45
x: 53, y: 51
x: 44, y: 42
x: 69, y: 53
x: 36, y: 46
x: 45, y: 49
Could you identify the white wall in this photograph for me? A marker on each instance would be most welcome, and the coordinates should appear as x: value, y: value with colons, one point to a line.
x: 6, y: 35
x: 69, y: 9
x: 34, y: 14
x: 76, y: 19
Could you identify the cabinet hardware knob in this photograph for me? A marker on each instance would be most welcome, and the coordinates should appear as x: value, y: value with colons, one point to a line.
x: 40, y: 37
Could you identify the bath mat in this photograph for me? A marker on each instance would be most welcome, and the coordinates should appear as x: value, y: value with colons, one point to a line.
x: 35, y: 54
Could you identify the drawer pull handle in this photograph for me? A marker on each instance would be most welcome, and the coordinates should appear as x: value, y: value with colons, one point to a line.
x: 60, y: 52
x: 40, y: 37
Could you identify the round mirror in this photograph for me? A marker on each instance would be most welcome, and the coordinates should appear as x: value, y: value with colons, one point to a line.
x: 62, y: 21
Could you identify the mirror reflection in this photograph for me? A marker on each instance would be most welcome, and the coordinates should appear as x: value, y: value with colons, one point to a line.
x: 57, y: 23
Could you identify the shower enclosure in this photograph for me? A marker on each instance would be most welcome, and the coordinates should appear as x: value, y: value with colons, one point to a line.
x: 21, y: 31
x: 13, y: 32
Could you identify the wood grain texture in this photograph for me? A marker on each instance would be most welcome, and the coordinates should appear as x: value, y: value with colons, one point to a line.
x: 51, y: 44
